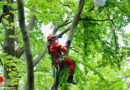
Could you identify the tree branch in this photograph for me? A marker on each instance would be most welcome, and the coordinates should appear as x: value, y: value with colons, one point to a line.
x: 60, y: 25
x: 113, y: 23
x: 72, y: 48
x: 6, y: 11
x: 32, y: 21
x: 3, y: 16
x: 66, y: 30
x: 37, y: 60
x: 114, y: 33
x: 92, y: 8
x: 94, y: 19
x: 75, y: 21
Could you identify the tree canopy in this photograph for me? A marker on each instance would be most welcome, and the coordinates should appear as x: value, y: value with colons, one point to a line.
x: 99, y: 44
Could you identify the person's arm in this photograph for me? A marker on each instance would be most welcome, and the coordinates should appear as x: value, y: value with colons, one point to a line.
x: 63, y: 48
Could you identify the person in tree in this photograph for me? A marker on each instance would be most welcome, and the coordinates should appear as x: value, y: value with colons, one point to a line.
x: 55, y: 50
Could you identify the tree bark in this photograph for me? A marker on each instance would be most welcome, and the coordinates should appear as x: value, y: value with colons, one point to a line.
x: 75, y: 22
x: 60, y: 25
x: 27, y: 50
x: 9, y: 46
x: 60, y: 34
x: 56, y: 82
x: 30, y: 26
x: 32, y: 21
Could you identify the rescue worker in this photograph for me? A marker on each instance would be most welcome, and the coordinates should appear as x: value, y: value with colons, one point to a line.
x: 55, y: 50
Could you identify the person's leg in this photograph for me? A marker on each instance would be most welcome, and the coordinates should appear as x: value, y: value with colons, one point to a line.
x: 71, y: 65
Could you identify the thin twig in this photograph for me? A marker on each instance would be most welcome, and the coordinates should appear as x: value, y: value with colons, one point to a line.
x: 66, y: 30
x: 66, y: 22
x: 94, y: 19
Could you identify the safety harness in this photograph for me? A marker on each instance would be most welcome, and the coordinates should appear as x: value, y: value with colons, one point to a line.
x: 57, y: 59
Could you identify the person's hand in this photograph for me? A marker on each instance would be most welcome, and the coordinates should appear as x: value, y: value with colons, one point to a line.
x: 68, y: 42
x: 60, y: 36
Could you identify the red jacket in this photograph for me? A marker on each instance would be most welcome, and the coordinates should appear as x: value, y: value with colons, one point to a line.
x: 55, y: 48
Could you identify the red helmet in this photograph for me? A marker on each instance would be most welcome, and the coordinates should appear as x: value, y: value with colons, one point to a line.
x: 51, y: 37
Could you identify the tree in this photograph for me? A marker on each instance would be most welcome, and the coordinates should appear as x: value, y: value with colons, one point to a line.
x: 27, y: 50
x: 96, y: 42
x: 8, y: 46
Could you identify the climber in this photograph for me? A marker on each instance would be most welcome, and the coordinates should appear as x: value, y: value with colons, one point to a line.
x: 55, y: 50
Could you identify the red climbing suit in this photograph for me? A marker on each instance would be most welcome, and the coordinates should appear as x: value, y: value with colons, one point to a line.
x: 56, y: 51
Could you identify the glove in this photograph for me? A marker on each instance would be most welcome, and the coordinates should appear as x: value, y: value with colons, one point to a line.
x: 68, y: 42
x: 60, y: 36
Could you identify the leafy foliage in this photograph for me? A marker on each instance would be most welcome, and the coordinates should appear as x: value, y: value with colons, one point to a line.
x: 97, y: 39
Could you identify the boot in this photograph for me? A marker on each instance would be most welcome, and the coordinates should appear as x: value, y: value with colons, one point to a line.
x: 70, y: 80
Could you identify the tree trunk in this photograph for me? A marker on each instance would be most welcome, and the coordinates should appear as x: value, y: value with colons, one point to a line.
x: 9, y: 46
x: 75, y: 22
x: 56, y: 82
x: 32, y: 21
x: 27, y: 50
